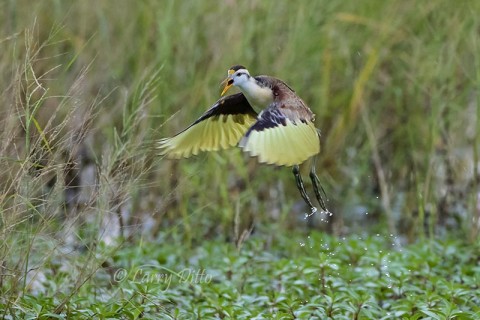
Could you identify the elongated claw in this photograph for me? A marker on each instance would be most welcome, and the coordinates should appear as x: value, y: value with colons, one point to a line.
x: 317, y: 187
x: 301, y: 187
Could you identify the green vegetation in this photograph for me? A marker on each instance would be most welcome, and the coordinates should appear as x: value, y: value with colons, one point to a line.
x: 87, y: 87
x: 271, y: 277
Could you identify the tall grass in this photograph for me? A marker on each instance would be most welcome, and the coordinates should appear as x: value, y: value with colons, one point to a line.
x: 87, y: 87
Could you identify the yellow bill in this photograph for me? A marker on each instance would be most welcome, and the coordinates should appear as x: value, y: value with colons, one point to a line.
x: 228, y: 84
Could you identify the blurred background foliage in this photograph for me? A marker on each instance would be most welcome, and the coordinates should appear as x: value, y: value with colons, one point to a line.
x: 87, y: 87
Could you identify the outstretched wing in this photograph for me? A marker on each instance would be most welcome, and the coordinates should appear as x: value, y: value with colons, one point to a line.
x: 222, y: 126
x: 282, y: 136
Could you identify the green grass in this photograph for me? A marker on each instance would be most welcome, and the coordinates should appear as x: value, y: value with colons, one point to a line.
x: 87, y: 88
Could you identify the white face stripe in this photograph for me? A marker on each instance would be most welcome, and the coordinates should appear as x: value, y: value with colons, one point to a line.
x: 241, y: 76
x: 231, y: 72
x: 240, y: 71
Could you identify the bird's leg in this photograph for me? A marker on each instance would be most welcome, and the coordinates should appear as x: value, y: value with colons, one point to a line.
x: 317, y: 187
x: 301, y: 187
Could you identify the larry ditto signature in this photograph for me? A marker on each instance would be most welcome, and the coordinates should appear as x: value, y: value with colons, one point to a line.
x: 151, y: 274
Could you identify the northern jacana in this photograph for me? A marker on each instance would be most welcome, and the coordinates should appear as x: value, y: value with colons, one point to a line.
x: 282, y: 134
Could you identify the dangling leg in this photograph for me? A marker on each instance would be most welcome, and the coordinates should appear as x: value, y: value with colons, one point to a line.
x: 301, y: 187
x: 317, y: 187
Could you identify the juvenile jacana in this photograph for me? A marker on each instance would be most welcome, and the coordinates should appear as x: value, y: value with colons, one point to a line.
x: 283, y: 134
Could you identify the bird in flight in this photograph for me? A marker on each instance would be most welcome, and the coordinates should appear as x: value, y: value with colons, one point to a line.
x: 282, y: 134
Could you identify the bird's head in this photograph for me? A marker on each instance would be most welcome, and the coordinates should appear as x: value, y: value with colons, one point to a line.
x: 236, y: 76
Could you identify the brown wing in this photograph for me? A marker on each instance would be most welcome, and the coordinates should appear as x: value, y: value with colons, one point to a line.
x: 283, y: 135
x: 222, y: 126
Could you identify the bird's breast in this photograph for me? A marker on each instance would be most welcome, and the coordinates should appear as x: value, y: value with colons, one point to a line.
x: 258, y: 97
